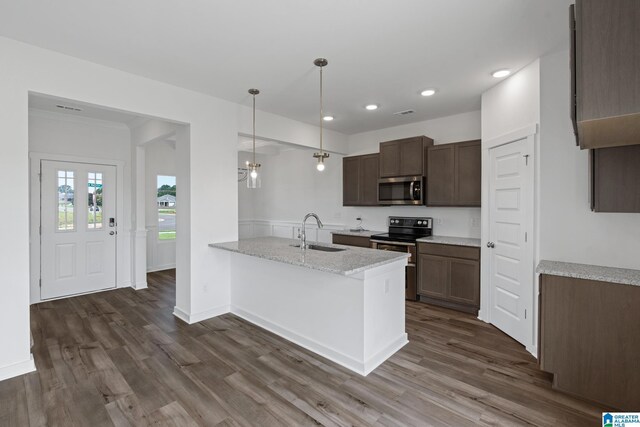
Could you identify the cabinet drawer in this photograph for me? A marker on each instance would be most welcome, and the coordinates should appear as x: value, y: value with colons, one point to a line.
x: 464, y: 252
x: 360, y: 241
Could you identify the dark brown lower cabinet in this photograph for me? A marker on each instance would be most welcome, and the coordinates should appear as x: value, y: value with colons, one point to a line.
x: 589, y: 338
x: 449, y: 276
x: 349, y: 240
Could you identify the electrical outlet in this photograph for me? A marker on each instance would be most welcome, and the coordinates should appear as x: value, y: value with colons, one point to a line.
x: 438, y: 221
x: 475, y: 222
x: 386, y: 286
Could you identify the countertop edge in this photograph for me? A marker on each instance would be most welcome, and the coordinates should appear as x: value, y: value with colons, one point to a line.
x: 399, y: 257
x: 471, y: 242
x: 622, y: 276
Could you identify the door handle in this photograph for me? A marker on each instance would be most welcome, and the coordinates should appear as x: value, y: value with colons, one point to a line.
x: 111, y: 233
x: 491, y: 245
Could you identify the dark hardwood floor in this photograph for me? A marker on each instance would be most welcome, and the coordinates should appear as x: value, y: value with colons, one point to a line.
x: 121, y: 358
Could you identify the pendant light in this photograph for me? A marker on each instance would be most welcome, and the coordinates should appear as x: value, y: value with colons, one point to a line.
x: 320, y: 62
x: 253, y: 180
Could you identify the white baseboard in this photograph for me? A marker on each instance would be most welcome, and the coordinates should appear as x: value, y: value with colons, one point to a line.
x: 16, y: 369
x: 140, y: 285
x: 377, y: 359
x: 160, y: 268
x: 199, y: 317
x: 361, y: 367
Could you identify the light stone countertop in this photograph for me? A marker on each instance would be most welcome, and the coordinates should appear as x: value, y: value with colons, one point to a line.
x: 623, y: 276
x: 350, y: 261
x: 363, y: 233
x: 447, y: 240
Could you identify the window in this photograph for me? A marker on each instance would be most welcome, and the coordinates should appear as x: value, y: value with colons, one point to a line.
x: 94, y: 201
x: 166, y: 201
x: 66, y: 190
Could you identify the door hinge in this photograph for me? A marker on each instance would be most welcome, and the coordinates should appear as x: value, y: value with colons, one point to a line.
x: 525, y: 313
x: 40, y: 283
x: 525, y: 237
x: 526, y: 159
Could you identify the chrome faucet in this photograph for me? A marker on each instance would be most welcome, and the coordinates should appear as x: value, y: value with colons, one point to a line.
x: 303, y: 234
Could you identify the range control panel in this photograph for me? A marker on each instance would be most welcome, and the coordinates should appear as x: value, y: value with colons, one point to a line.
x: 410, y: 222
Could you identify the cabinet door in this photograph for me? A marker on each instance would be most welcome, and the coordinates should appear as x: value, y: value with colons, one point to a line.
x: 411, y: 156
x: 389, y: 159
x: 433, y: 279
x: 607, y: 72
x: 464, y: 283
x: 616, y: 179
x: 369, y: 172
x: 468, y: 175
x: 441, y: 175
x: 350, y: 181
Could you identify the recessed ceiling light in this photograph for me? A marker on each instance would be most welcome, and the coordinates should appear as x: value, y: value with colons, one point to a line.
x: 327, y: 118
x: 428, y: 92
x: 501, y: 73
x: 371, y: 107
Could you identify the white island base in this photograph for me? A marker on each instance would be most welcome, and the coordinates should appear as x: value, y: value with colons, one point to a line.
x: 355, y: 320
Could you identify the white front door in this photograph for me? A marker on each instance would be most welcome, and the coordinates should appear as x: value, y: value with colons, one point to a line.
x: 78, y: 228
x: 510, y: 219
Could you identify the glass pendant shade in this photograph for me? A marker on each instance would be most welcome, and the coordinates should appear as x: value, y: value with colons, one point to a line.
x: 253, y: 178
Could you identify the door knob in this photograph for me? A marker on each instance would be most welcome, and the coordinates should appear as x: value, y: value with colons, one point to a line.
x: 491, y: 245
x: 111, y: 233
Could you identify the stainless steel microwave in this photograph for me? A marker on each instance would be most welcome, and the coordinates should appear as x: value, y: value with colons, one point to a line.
x: 404, y: 190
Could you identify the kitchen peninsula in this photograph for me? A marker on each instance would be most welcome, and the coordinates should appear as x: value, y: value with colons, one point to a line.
x: 344, y: 303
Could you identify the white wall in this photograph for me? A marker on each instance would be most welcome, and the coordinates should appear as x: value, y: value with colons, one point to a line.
x: 512, y: 104
x: 160, y: 158
x: 569, y: 231
x: 63, y: 134
x: 206, y: 170
x: 209, y: 165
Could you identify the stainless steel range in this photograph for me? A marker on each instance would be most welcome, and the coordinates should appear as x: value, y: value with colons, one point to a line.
x: 402, y: 236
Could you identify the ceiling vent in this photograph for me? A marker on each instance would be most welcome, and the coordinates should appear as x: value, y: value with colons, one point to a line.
x: 65, y: 107
x: 403, y: 113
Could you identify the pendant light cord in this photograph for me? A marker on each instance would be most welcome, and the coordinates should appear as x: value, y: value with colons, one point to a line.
x: 321, y: 108
x: 254, y: 129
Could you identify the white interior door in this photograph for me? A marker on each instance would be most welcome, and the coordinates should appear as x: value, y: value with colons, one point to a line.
x: 510, y: 219
x: 78, y: 228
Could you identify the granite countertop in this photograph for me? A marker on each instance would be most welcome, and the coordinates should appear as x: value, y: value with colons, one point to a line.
x: 364, y: 233
x: 623, y: 276
x: 447, y: 240
x: 350, y: 261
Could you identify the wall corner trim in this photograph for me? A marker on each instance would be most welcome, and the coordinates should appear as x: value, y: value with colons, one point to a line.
x: 203, y: 315
x: 17, y: 369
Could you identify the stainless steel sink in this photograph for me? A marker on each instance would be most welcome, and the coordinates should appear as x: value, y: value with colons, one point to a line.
x: 322, y: 248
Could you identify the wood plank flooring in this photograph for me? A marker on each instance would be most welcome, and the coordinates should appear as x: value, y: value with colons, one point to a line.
x: 121, y: 358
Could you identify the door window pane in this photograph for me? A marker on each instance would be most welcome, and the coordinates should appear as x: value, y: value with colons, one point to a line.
x: 166, y: 202
x: 66, y: 190
x: 94, y: 200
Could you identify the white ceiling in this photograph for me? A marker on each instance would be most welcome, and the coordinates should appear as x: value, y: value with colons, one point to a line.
x: 379, y: 51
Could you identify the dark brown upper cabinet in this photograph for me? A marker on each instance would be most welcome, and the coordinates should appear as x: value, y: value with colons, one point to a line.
x: 605, y: 72
x: 615, y: 179
x: 454, y: 174
x: 404, y: 157
x: 360, y: 180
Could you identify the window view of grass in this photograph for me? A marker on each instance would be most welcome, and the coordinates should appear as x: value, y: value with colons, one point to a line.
x: 166, y: 203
